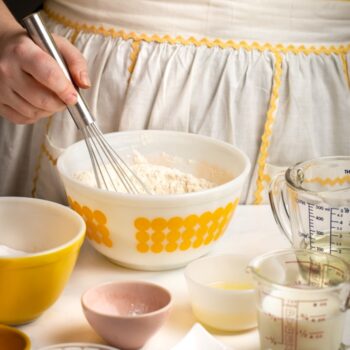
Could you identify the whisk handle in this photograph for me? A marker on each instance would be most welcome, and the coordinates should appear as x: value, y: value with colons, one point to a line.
x: 40, y: 35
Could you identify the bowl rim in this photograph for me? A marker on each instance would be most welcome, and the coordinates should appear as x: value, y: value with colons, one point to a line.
x: 18, y: 332
x: 62, y: 346
x: 161, y: 310
x: 195, y: 281
x: 253, y: 268
x: 161, y: 197
x: 46, y: 203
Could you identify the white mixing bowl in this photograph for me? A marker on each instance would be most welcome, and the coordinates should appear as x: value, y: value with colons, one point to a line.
x: 158, y: 232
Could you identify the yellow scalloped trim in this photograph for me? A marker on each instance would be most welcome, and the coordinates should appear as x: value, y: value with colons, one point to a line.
x: 345, y: 68
x: 135, y: 49
x: 49, y: 156
x: 307, y: 50
x: 74, y: 36
x: 330, y: 181
x: 38, y: 163
x: 265, y: 139
x: 36, y: 173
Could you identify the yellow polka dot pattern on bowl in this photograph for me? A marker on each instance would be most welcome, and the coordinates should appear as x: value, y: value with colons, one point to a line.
x: 96, y: 223
x: 180, y: 234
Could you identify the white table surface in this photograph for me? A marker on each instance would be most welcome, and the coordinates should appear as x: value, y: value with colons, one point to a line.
x: 253, y: 231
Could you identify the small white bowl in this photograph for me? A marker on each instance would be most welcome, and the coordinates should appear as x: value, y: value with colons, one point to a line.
x: 222, y: 293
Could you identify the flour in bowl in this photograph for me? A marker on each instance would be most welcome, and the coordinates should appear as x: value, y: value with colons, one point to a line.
x: 6, y: 251
x: 159, y: 179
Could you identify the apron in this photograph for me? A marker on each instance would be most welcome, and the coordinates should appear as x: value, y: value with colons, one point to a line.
x: 271, y: 77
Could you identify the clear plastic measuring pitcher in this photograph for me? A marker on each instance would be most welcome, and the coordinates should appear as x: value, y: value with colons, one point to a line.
x: 302, y: 297
x: 311, y: 204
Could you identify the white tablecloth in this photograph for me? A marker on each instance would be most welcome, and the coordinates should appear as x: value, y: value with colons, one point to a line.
x: 252, y: 232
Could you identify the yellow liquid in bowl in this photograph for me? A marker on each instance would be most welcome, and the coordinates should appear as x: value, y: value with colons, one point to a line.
x: 228, y: 311
x: 232, y: 285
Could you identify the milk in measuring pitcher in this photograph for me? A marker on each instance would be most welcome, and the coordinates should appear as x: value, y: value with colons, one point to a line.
x: 300, y: 323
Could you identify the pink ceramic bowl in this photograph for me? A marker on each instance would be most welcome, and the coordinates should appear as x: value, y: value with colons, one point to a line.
x: 126, y: 314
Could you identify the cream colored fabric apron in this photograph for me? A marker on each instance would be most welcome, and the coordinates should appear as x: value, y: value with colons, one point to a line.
x: 270, y: 76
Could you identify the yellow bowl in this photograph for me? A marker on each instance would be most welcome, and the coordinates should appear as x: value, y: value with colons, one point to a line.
x: 50, y: 235
x: 158, y: 232
x: 14, y: 339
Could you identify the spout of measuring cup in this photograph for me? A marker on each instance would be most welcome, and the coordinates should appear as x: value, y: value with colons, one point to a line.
x: 250, y: 270
x: 268, y: 268
x: 254, y: 270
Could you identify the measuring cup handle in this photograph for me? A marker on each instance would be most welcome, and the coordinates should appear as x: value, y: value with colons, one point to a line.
x: 346, y: 308
x: 279, y: 205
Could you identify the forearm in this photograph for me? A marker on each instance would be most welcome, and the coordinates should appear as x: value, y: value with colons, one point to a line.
x: 7, y: 22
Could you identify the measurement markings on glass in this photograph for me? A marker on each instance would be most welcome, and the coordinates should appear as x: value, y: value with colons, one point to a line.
x: 325, y: 228
x: 333, y: 227
x: 311, y: 224
x: 290, y: 312
x: 336, y: 229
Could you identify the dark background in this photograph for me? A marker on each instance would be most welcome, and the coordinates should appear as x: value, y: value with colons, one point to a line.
x: 21, y: 8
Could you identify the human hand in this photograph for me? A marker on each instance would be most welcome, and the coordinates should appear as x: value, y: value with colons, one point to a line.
x: 32, y: 84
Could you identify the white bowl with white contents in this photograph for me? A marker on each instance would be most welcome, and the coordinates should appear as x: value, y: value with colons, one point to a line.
x: 158, y: 231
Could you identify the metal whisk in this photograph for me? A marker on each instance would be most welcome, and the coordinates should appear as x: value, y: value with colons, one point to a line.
x: 103, y: 157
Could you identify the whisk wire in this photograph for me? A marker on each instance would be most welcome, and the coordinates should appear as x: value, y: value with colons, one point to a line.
x: 92, y: 155
x: 98, y: 159
x: 119, y: 166
x: 112, y: 161
x: 104, y: 155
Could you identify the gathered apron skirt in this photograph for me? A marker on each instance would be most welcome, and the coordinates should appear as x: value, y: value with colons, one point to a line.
x: 271, y: 77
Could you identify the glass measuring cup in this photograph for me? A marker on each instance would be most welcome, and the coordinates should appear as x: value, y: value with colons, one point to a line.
x: 302, y: 297
x: 311, y: 205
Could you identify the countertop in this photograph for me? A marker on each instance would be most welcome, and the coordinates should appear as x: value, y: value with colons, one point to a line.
x: 253, y: 231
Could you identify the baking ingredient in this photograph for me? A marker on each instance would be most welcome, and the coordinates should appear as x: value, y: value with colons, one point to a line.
x: 337, y: 243
x: 298, y: 321
x: 159, y: 179
x: 227, y: 318
x: 224, y: 320
x: 232, y: 285
x: 8, y: 251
